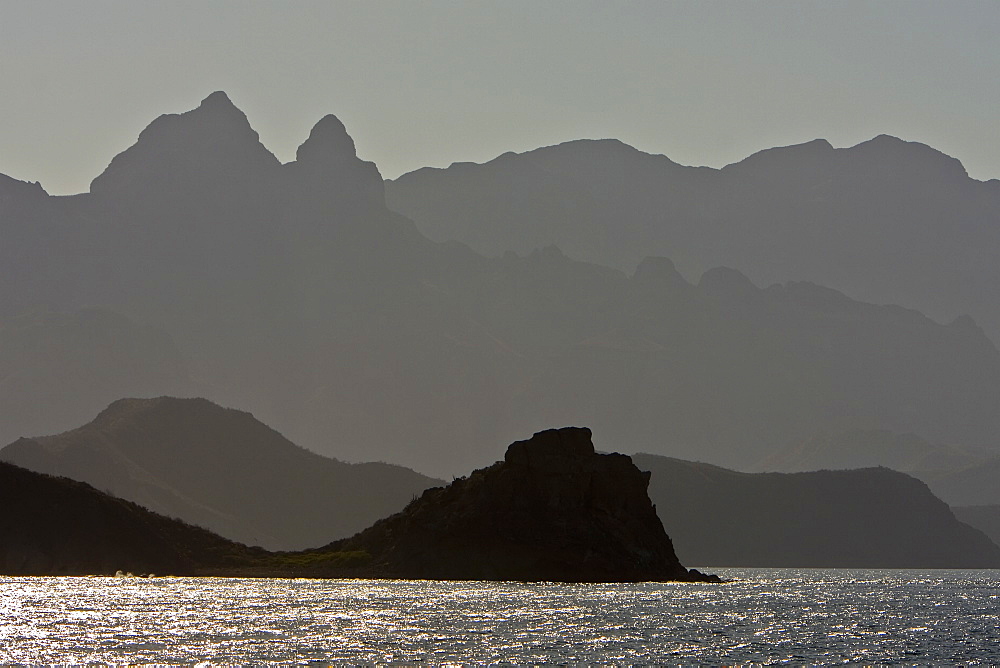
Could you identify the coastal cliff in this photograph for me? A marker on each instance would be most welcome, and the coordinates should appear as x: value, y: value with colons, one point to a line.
x: 552, y: 510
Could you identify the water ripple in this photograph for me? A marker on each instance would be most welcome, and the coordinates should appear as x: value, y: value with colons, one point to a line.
x: 764, y: 616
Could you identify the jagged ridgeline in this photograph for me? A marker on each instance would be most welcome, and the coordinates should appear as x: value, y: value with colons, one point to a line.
x: 887, y: 221
x: 292, y: 291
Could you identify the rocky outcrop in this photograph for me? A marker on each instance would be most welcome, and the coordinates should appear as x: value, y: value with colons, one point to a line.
x: 553, y: 510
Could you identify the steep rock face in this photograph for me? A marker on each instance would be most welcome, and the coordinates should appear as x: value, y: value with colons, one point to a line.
x: 199, y: 150
x: 552, y: 510
x: 864, y: 518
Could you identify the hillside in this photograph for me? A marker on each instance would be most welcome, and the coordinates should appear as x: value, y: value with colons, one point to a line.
x: 56, y: 526
x: 221, y: 469
x: 886, y: 221
x: 865, y: 518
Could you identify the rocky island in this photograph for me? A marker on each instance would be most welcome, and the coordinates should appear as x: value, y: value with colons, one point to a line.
x: 552, y: 510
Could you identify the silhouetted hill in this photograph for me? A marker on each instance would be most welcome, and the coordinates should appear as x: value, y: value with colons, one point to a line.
x: 887, y: 221
x: 552, y: 510
x: 865, y: 518
x: 984, y: 518
x: 221, y: 469
x: 56, y: 526
x: 291, y: 290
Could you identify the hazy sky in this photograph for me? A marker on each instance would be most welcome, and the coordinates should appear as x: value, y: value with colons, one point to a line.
x: 430, y: 83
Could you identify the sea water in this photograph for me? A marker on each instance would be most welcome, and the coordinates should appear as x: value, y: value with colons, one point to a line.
x: 761, y: 616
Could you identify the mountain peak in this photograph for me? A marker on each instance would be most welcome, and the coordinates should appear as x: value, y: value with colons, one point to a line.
x: 218, y: 99
x: 886, y: 152
x: 199, y: 146
x: 328, y: 141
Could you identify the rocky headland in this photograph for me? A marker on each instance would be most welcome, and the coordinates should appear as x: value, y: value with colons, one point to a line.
x: 552, y: 510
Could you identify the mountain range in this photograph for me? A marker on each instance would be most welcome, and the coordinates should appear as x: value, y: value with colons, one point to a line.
x: 293, y: 291
x: 960, y: 476
x: 886, y: 221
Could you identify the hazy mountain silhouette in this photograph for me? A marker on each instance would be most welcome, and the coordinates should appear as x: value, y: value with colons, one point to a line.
x: 292, y: 291
x: 57, y: 370
x: 56, y: 526
x: 864, y: 448
x: 887, y: 221
x: 984, y: 518
x: 864, y: 518
x: 960, y: 476
x: 974, y: 485
x: 221, y: 469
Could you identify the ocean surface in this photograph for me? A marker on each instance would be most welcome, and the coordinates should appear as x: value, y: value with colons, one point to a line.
x: 761, y: 616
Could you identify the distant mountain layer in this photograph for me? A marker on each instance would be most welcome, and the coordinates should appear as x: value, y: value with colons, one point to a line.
x: 960, y: 476
x: 974, y: 485
x: 863, y: 448
x: 887, y: 221
x: 291, y: 290
x: 865, y: 518
x: 58, y: 369
x: 984, y: 518
x: 221, y: 469
x: 55, y: 526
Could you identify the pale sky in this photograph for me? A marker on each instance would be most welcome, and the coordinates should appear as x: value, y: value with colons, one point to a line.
x: 431, y: 83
